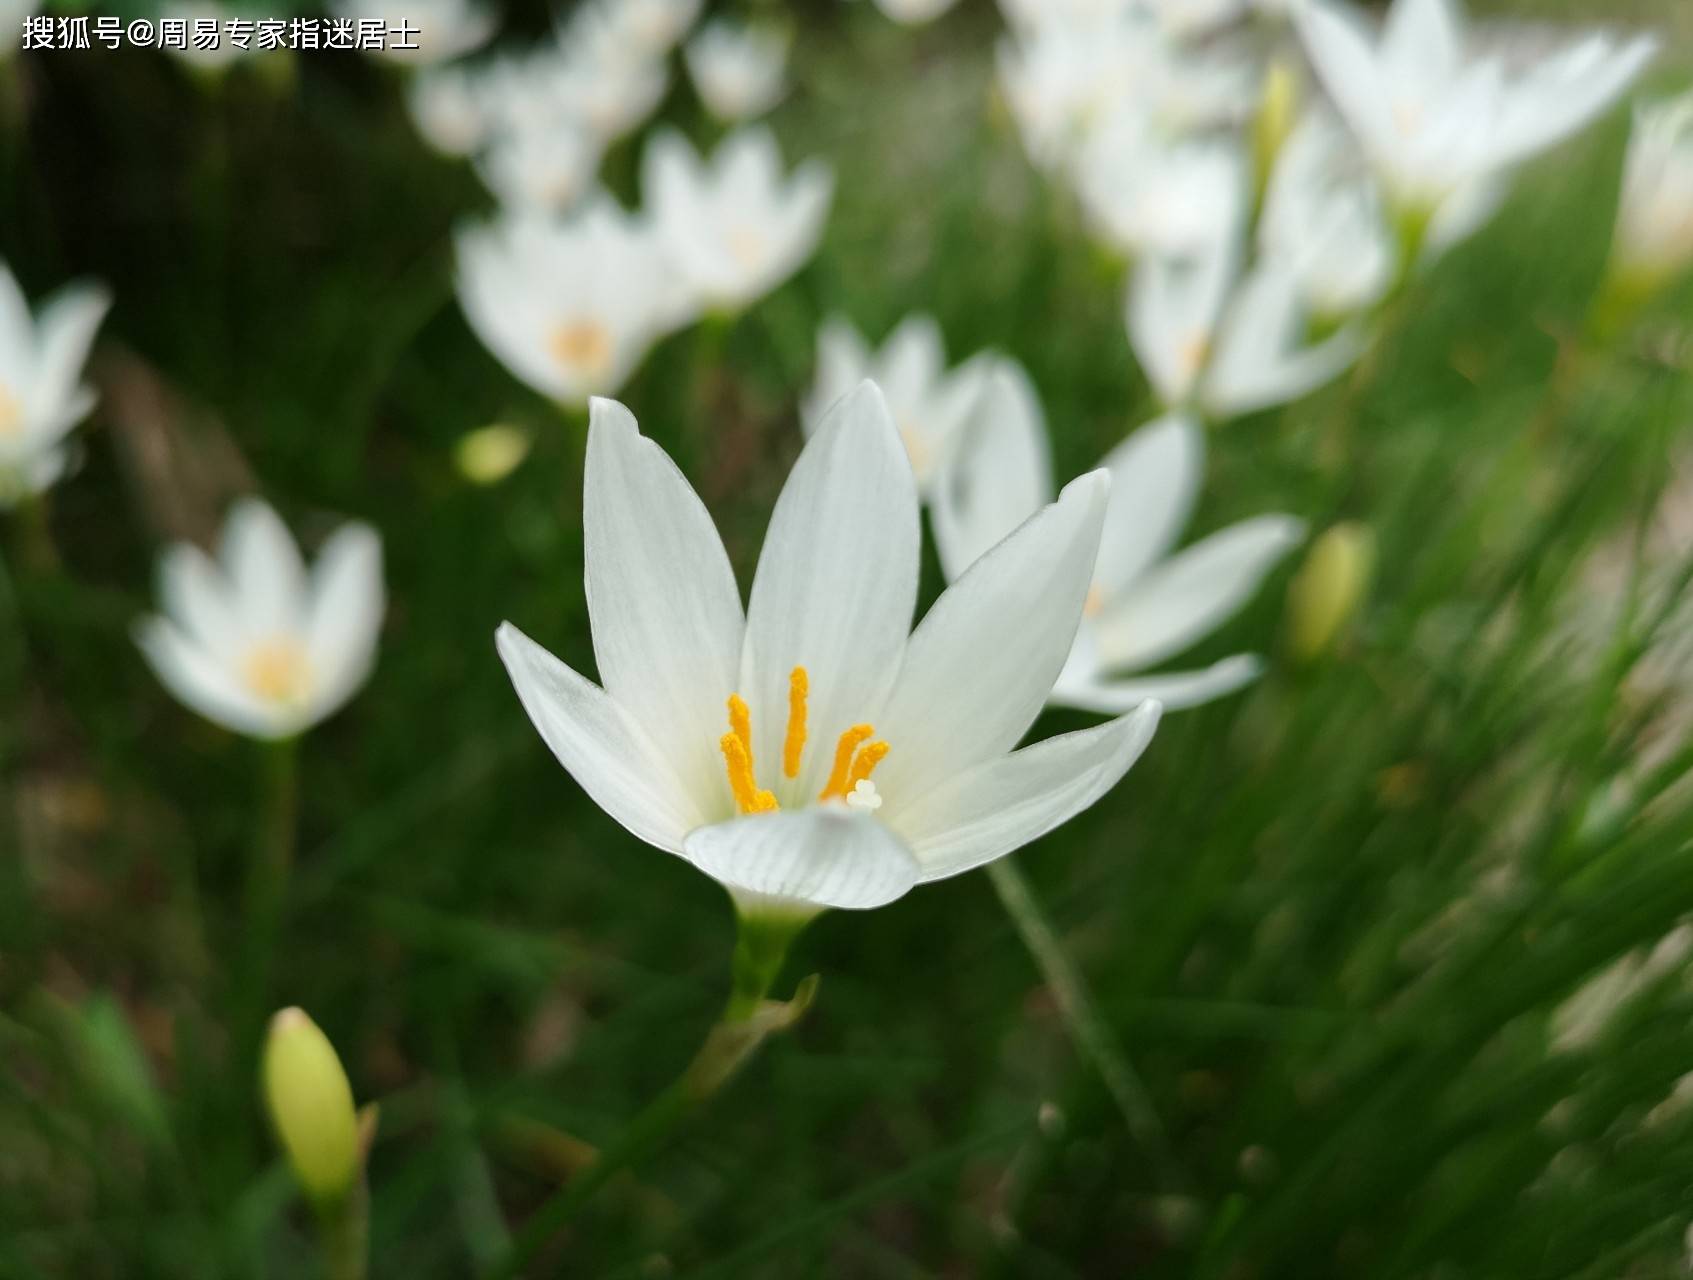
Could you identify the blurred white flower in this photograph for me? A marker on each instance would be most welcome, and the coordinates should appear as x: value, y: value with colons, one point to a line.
x: 1147, y: 194
x: 738, y: 69
x: 740, y: 741
x: 1434, y: 115
x: 254, y: 643
x: 929, y: 404
x: 569, y: 306
x: 648, y: 28
x: 554, y: 87
x: 1654, y: 232
x: 1062, y: 80
x: 543, y: 170
x: 12, y: 15
x: 913, y: 12
x: 1144, y: 605
x: 734, y: 226
x: 445, y: 29
x: 42, y: 395
x: 1190, y: 19
x: 1215, y: 341
x: 447, y: 107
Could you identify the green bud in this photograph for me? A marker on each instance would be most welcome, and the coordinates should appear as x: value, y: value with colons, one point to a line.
x: 1278, y: 111
x: 1328, y: 588
x: 311, y: 1107
x: 488, y: 455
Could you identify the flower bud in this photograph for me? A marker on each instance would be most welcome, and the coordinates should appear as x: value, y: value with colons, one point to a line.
x: 1326, y: 591
x: 311, y: 1106
x: 488, y: 455
x: 1278, y: 110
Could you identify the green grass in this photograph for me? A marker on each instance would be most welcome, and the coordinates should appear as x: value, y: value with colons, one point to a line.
x: 1327, y: 921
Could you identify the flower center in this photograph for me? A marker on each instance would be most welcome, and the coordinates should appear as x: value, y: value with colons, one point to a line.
x: 916, y: 448
x: 11, y: 413
x: 1192, y: 355
x: 746, y: 246
x: 856, y: 757
x: 277, y: 670
x: 582, y: 346
x: 1094, y: 605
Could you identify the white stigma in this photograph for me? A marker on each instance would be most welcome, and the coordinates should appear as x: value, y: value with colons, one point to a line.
x: 864, y: 797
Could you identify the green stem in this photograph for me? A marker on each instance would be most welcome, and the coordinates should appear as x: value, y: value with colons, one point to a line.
x: 748, y: 1019
x: 271, y: 863
x: 1082, y: 1020
x: 344, y: 1235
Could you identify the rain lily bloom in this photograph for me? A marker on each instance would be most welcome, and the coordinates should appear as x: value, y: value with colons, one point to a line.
x: 738, y: 69
x: 544, y: 170
x: 815, y: 751
x: 929, y: 404
x: 570, y: 306
x: 41, y: 391
x: 913, y: 12
x: 1654, y: 232
x: 1144, y: 605
x: 734, y: 226
x: 254, y: 643
x: 445, y: 29
x: 1325, y: 221
x: 644, y: 28
x: 1146, y: 194
x: 1434, y: 114
x: 447, y: 108
x: 1063, y: 80
x: 1224, y: 343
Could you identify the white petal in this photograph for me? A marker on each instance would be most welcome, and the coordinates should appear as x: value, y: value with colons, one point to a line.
x: 197, y: 599
x: 824, y: 856
x: 263, y: 564
x: 67, y: 326
x: 1003, y: 804
x: 1423, y: 40
x: 836, y: 585
x: 1193, y: 592
x: 999, y: 475
x: 599, y: 744
x: 980, y: 667
x: 206, y: 686
x: 344, y: 615
x: 1176, y: 690
x: 843, y: 361
x: 662, y: 599
x: 1155, y: 476
x: 1340, y: 46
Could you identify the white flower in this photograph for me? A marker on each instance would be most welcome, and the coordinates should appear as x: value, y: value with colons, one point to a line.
x: 1144, y: 605
x: 552, y: 87
x: 254, y: 643
x: 1224, y: 343
x: 1190, y: 19
x: 645, y: 28
x: 929, y: 404
x: 1325, y: 222
x: 1434, y: 115
x: 444, y: 29
x: 568, y: 306
x: 913, y: 12
x: 41, y: 391
x: 738, y: 69
x: 447, y: 107
x: 545, y: 170
x: 1062, y: 80
x: 1147, y: 194
x: 1654, y: 232
x: 734, y: 226
x: 735, y: 740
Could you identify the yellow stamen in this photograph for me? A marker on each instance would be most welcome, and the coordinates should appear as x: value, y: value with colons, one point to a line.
x: 11, y: 413
x: 850, y: 741
x: 276, y: 670
x: 799, y: 685
x: 582, y: 346
x: 740, y: 720
x: 865, y: 765
x: 738, y: 760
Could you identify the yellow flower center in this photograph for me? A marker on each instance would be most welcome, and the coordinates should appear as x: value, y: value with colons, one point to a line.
x: 277, y: 670
x: 916, y: 448
x: 856, y: 757
x: 1192, y: 355
x: 582, y: 346
x: 746, y: 246
x: 11, y: 413
x: 1094, y: 605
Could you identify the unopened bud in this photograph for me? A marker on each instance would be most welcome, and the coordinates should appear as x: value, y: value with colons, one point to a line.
x: 311, y: 1107
x: 1328, y: 588
x: 489, y: 454
x: 1278, y: 110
